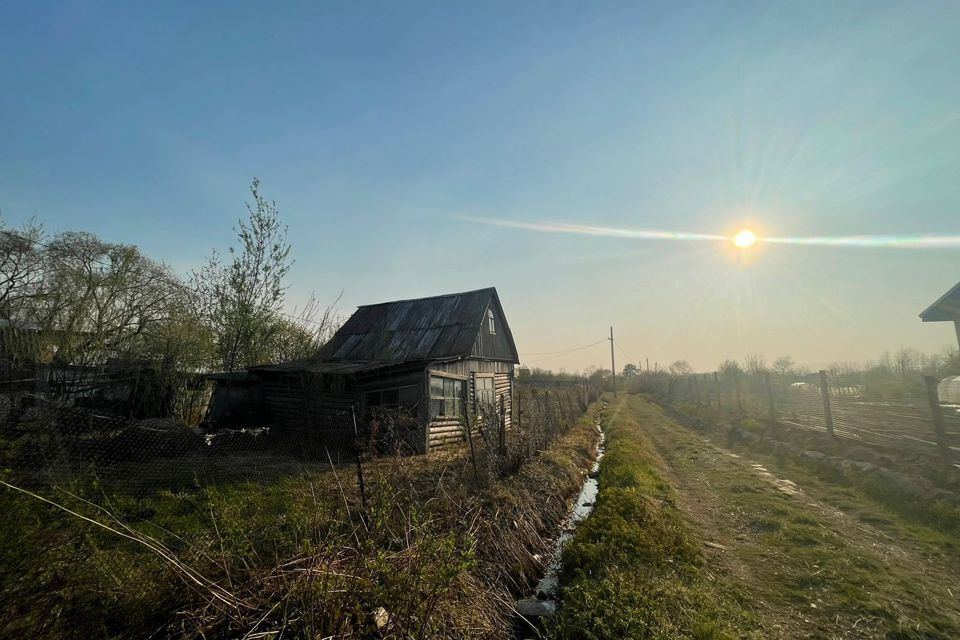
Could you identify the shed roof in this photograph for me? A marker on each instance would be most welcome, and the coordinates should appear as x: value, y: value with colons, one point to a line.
x: 333, y: 367
x: 946, y: 308
x: 423, y: 329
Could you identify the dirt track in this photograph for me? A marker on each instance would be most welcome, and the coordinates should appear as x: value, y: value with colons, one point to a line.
x: 808, y: 559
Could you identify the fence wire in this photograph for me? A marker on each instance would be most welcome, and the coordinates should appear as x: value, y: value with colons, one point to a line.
x: 906, y: 417
x: 46, y: 443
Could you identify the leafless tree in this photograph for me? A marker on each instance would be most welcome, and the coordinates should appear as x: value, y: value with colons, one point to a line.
x: 756, y: 363
x: 20, y: 265
x: 681, y: 368
x: 784, y: 365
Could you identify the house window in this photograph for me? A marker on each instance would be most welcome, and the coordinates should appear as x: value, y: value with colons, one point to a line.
x: 393, y: 398
x: 490, y: 325
x: 446, y: 397
x: 484, y: 392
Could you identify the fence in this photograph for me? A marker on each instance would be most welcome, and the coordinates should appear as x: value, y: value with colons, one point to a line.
x: 906, y: 416
x: 126, y: 527
x: 46, y: 443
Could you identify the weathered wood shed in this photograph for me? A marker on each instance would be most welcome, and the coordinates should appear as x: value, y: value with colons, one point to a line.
x: 426, y: 354
x: 945, y: 309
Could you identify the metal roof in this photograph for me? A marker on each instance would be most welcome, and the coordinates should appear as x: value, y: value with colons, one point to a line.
x: 945, y: 309
x: 337, y: 367
x: 434, y: 328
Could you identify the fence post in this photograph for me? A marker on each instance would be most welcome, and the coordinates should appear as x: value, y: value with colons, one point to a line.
x: 736, y: 388
x: 503, y: 427
x: 466, y: 420
x: 766, y: 383
x: 936, y: 413
x: 825, y: 396
x: 716, y: 383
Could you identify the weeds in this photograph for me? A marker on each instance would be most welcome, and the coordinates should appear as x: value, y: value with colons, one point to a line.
x: 433, y: 555
x: 632, y: 570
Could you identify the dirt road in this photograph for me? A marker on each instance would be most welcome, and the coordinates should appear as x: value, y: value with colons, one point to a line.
x: 807, y: 559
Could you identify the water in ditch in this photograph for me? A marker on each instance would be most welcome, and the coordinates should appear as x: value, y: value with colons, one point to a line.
x: 541, y: 602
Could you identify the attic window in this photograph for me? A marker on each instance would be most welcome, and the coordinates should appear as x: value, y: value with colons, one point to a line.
x: 490, y: 325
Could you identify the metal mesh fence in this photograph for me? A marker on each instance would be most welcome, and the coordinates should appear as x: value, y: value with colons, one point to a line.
x: 49, y: 443
x: 907, y: 416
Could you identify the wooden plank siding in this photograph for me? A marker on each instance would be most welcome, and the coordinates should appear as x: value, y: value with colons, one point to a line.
x: 395, y: 344
x: 302, y: 400
x: 444, y: 431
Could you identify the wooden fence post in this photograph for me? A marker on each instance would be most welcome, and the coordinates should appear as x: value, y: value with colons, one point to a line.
x: 936, y: 413
x: 466, y: 420
x: 766, y: 383
x: 825, y: 396
x: 736, y: 388
x: 716, y: 383
x: 503, y: 426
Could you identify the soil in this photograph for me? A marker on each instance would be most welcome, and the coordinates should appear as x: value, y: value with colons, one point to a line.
x: 809, y: 559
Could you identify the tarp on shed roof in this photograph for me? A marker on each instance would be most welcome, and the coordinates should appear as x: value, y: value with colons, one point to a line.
x: 435, y: 328
x: 945, y: 309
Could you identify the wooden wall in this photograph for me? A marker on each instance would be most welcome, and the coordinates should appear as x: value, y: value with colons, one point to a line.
x: 445, y: 431
x: 301, y: 400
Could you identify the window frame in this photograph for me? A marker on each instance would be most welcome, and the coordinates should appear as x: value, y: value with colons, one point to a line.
x: 491, y: 325
x: 393, y: 405
x: 452, y: 404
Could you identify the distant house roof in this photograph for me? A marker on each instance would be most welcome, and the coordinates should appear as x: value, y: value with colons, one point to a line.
x: 424, y: 329
x: 945, y: 309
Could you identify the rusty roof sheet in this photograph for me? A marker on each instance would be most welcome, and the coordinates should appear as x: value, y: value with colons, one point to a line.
x: 434, y: 328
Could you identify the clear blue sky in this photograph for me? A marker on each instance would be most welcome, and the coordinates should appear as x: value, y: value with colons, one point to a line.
x: 374, y: 125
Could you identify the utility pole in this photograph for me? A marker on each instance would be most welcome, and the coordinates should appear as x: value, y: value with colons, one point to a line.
x: 613, y: 365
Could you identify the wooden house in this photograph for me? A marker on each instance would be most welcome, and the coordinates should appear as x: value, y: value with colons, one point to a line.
x: 945, y: 309
x: 436, y: 357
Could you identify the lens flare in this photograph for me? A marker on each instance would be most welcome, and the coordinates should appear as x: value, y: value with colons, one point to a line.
x: 745, y: 239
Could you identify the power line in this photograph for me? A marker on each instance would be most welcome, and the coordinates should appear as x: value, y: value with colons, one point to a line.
x: 550, y: 353
x: 557, y: 354
x: 625, y: 354
x: 178, y: 285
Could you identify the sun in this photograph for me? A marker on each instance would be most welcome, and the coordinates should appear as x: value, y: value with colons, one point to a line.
x: 745, y: 239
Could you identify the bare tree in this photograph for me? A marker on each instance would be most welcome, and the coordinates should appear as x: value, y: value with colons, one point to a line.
x: 20, y: 266
x: 301, y: 335
x: 756, y: 363
x: 97, y: 300
x: 784, y: 365
x: 681, y: 368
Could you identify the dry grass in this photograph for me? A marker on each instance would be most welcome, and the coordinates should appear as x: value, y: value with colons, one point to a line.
x: 430, y: 554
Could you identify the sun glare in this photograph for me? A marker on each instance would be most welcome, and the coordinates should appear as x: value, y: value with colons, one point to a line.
x: 745, y: 239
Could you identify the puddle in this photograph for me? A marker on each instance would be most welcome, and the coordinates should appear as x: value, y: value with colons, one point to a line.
x: 541, y: 602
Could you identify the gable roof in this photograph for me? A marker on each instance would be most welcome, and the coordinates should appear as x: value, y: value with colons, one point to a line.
x: 947, y: 307
x: 434, y: 328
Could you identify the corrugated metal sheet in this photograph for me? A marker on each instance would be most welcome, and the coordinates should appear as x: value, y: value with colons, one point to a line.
x: 323, y: 366
x: 945, y: 309
x: 435, y: 328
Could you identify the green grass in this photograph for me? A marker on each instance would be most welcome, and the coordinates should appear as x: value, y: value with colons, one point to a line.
x: 807, y: 556
x: 633, y: 570
x: 438, y: 553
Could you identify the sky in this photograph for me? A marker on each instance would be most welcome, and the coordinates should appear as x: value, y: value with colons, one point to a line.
x: 387, y: 132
